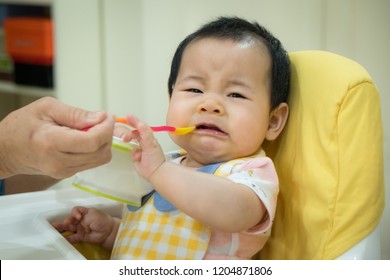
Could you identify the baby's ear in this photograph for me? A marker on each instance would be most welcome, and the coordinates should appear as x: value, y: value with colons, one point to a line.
x: 277, y: 121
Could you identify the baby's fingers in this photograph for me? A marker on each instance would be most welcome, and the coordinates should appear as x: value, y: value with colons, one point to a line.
x: 123, y: 131
x: 144, y: 134
x: 63, y: 227
x: 58, y: 226
x: 74, y: 237
x: 136, y: 155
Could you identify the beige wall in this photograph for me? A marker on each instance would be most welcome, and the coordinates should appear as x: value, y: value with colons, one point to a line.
x: 137, y: 39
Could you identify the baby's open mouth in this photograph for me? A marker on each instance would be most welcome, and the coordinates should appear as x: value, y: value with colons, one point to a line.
x: 210, y: 128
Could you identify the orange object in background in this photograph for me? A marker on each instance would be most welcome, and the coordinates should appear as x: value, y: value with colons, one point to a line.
x: 29, y: 40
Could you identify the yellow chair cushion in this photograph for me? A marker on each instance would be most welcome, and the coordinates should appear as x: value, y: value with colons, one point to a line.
x: 90, y: 251
x: 329, y: 159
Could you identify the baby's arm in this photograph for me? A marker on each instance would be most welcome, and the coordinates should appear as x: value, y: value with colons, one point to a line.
x: 215, y: 201
x: 90, y: 225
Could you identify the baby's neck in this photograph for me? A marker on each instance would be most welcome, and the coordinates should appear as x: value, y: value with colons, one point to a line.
x: 193, y: 164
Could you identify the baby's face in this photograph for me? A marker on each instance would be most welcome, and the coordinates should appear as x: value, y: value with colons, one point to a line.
x: 223, y: 88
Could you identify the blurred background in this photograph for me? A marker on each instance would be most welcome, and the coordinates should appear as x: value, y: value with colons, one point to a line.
x: 115, y: 54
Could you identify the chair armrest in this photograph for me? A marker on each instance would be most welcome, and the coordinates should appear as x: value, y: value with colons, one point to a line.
x: 367, y: 249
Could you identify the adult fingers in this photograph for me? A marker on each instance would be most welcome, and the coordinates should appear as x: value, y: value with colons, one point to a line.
x: 70, y: 116
x: 76, y: 141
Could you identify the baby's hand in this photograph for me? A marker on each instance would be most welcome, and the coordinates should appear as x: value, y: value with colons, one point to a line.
x: 87, y: 224
x: 150, y: 156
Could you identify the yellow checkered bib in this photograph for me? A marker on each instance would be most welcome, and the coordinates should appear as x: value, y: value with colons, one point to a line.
x: 149, y: 233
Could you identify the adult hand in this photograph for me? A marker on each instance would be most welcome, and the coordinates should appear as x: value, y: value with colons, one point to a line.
x: 46, y: 137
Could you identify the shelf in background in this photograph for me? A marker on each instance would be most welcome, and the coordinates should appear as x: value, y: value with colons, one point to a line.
x: 9, y: 86
x: 12, y: 88
x: 27, y: 2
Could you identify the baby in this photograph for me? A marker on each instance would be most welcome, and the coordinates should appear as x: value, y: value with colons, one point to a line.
x: 216, y: 198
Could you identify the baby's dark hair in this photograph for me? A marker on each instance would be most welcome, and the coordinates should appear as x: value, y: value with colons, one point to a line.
x: 239, y: 30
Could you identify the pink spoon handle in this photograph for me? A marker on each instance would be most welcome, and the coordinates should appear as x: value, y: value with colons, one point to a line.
x: 163, y: 128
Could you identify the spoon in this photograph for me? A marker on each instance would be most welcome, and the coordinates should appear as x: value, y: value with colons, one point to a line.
x: 166, y: 128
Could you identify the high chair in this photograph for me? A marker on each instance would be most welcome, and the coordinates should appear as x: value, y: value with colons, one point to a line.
x: 329, y: 159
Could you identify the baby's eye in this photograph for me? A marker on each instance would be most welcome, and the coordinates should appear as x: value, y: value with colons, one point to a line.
x: 236, y: 95
x: 194, y: 90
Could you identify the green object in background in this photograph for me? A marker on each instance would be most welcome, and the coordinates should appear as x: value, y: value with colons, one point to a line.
x: 6, y: 64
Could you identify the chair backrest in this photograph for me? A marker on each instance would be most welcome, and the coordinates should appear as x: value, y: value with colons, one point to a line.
x: 329, y: 159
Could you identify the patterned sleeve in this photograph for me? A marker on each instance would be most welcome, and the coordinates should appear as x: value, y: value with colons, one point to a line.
x: 259, y: 174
